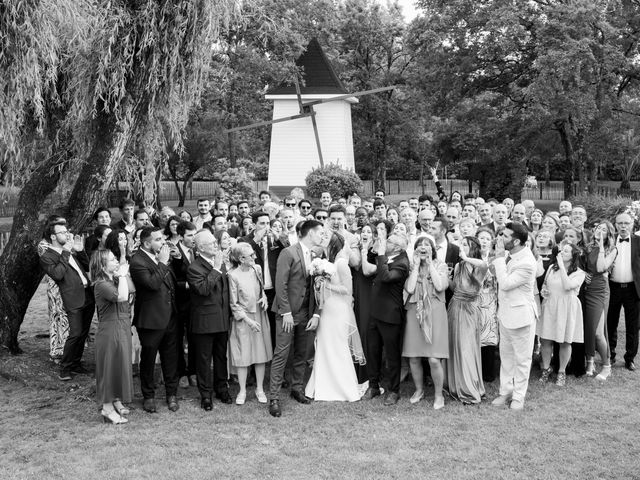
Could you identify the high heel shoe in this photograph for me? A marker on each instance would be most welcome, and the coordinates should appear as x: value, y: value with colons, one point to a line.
x: 120, y: 408
x: 112, y: 417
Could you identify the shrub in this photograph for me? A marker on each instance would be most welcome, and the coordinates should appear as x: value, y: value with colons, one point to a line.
x: 236, y: 183
x: 601, y: 207
x: 334, y: 179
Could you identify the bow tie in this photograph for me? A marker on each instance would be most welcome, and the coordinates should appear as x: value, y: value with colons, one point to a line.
x: 620, y: 240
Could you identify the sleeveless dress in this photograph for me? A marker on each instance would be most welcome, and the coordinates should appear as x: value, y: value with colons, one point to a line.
x: 333, y: 377
x: 114, y: 378
x: 596, y: 302
x: 464, y: 368
x: 561, y: 319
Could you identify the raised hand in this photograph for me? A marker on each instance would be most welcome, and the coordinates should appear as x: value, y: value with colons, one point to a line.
x: 164, y: 254
x: 78, y: 243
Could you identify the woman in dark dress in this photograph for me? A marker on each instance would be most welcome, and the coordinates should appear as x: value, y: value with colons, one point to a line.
x: 464, y: 367
x: 114, y: 379
x: 600, y: 255
x: 362, y: 283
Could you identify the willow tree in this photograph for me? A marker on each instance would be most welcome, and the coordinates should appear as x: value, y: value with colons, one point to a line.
x: 83, y: 83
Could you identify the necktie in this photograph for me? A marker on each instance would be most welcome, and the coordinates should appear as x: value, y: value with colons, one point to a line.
x: 508, y: 259
x: 621, y: 240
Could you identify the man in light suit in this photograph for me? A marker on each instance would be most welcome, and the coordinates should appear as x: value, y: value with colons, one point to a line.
x: 297, y: 314
x: 517, y: 313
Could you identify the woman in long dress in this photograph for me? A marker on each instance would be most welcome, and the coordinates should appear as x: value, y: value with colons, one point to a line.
x: 561, y: 319
x: 426, y: 333
x: 601, y: 253
x: 114, y: 379
x: 250, y: 339
x: 489, y: 333
x: 363, y: 282
x: 337, y: 340
x: 464, y: 368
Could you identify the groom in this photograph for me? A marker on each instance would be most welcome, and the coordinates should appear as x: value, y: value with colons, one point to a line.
x: 296, y: 312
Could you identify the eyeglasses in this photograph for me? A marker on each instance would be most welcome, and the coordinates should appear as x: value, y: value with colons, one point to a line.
x: 64, y: 232
x: 321, y: 217
x: 290, y: 204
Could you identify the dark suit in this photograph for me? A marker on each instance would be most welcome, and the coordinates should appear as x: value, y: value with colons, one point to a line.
x: 451, y: 258
x: 386, y: 325
x: 77, y: 300
x: 274, y: 247
x: 627, y: 296
x: 210, y: 325
x: 294, y: 294
x: 183, y: 302
x: 155, y: 318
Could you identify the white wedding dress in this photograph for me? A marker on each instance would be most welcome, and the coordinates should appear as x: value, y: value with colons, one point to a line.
x: 333, y: 377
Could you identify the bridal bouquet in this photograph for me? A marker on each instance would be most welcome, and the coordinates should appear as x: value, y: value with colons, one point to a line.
x: 321, y: 267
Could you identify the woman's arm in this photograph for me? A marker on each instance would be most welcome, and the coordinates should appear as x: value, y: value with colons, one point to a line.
x: 439, y: 276
x: 367, y: 268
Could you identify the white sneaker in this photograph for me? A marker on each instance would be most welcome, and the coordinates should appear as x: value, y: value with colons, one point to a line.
x: 604, y: 373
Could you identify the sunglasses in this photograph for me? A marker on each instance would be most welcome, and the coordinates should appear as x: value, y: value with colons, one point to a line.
x: 305, y: 207
x: 290, y: 204
x: 321, y: 217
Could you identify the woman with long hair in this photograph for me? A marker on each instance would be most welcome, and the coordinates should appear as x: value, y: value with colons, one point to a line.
x: 489, y: 331
x: 601, y: 253
x: 250, y: 338
x: 465, y: 363
x: 362, y: 284
x: 114, y: 379
x: 393, y: 216
x: 337, y: 343
x: 426, y: 332
x: 225, y: 242
x: 535, y: 222
x: 561, y: 319
x: 116, y: 242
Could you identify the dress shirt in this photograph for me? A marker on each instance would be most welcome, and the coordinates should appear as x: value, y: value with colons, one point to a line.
x: 152, y: 256
x: 265, y: 264
x: 293, y: 237
x: 306, y: 253
x: 441, y: 250
x: 622, y: 272
x: 199, y: 221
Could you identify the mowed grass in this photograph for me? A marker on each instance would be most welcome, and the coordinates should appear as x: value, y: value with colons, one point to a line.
x: 51, y: 429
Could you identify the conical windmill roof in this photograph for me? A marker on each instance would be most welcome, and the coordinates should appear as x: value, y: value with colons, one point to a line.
x: 319, y: 75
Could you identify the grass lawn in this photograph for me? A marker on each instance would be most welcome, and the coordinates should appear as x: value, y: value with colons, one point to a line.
x: 51, y: 429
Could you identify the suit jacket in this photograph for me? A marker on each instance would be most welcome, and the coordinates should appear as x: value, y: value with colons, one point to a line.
x: 274, y: 248
x: 294, y: 289
x: 57, y: 266
x: 517, y: 289
x: 179, y: 267
x: 155, y: 292
x: 209, y: 293
x: 387, y: 303
x: 451, y: 258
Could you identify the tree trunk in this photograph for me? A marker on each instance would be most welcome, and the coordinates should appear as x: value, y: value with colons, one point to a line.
x: 20, y: 272
x: 569, y: 155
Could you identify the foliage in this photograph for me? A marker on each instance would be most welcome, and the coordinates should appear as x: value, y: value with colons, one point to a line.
x: 601, y: 207
x: 236, y: 184
x: 334, y: 179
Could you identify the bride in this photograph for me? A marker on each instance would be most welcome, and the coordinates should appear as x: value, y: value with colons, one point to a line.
x: 337, y: 340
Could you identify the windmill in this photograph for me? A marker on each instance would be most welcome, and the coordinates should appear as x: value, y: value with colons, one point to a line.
x: 311, y: 124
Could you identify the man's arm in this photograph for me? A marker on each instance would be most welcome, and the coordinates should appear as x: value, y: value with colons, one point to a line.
x: 397, y: 273
x: 282, y: 282
x: 202, y: 282
x: 148, y: 278
x: 55, y: 265
x: 519, y: 276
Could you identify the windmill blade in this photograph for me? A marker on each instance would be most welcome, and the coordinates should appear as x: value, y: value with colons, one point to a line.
x: 315, y: 132
x: 269, y: 122
x: 298, y: 94
x: 348, y: 95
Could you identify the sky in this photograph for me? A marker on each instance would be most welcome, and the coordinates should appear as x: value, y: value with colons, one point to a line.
x: 408, y: 9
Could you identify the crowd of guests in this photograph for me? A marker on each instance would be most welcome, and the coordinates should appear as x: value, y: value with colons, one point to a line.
x: 458, y: 288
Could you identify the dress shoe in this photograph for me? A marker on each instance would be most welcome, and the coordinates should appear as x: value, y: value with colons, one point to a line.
x: 299, y: 397
x: 120, y: 408
x: 501, y: 401
x: 391, y: 399
x: 372, y: 392
x: 630, y: 366
x: 274, y: 408
x: 438, y: 403
x: 80, y: 370
x: 516, y: 405
x: 149, y: 405
x: 416, y: 397
x: 65, y: 375
x: 172, y: 403
x: 285, y: 384
x: 112, y: 417
x: 240, y: 398
x: 261, y: 396
x: 224, y: 397
x: 206, y: 404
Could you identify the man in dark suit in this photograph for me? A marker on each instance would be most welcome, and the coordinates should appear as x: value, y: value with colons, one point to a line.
x: 446, y: 251
x: 210, y: 319
x: 179, y: 265
x: 297, y: 315
x: 67, y: 264
x: 127, y: 222
x: 624, y: 284
x: 387, y: 316
x: 155, y: 315
x: 267, y: 248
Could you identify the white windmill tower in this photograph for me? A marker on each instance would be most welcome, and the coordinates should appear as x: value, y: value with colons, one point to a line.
x: 311, y: 123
